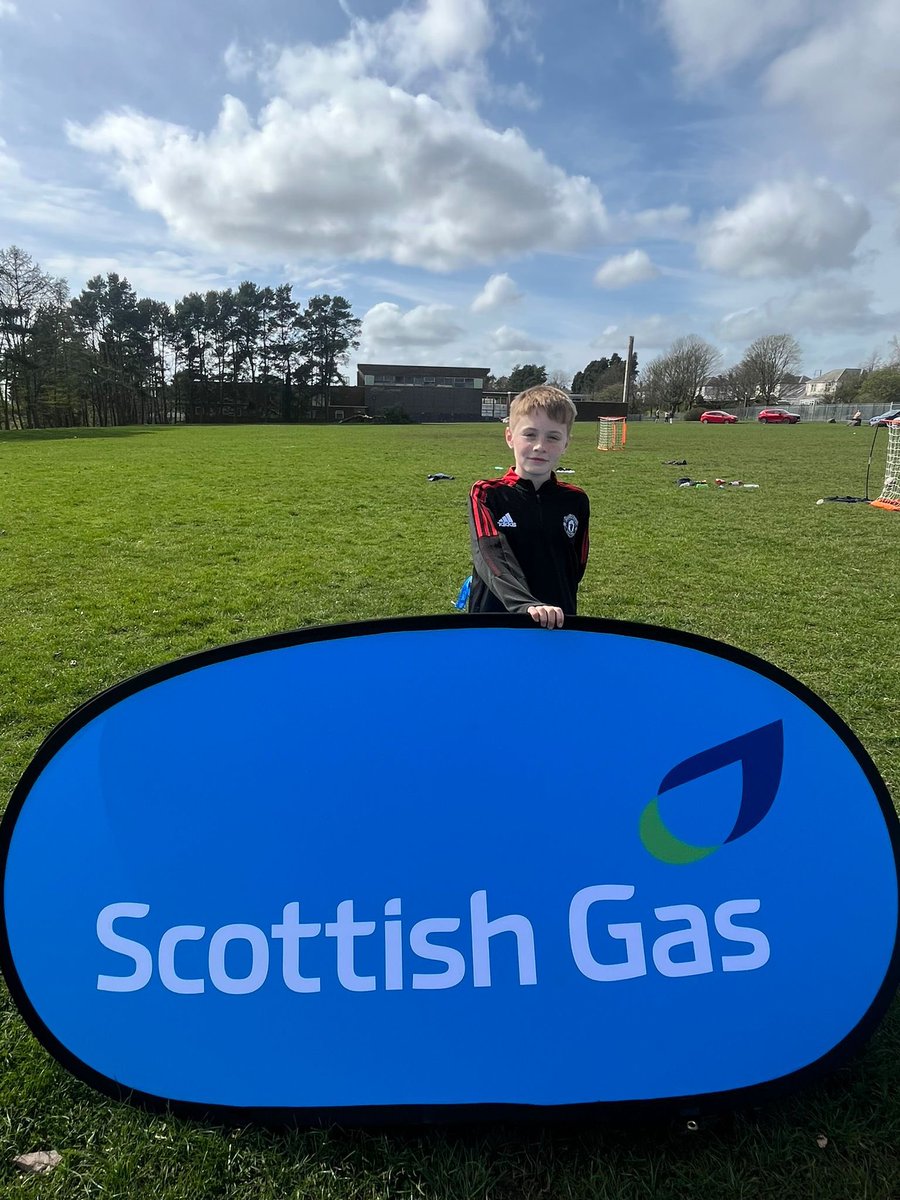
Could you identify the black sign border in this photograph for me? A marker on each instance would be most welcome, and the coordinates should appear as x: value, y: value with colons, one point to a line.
x: 409, y: 1115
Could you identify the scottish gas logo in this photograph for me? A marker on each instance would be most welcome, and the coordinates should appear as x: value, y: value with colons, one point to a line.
x: 760, y: 754
x: 223, y: 891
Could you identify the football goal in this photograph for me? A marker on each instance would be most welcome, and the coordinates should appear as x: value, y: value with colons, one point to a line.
x: 890, y: 492
x: 611, y: 433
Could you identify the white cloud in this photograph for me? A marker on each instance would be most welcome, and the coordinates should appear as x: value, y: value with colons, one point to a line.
x: 626, y: 269
x: 844, y: 77
x: 516, y: 95
x: 239, y: 62
x: 47, y: 206
x: 712, y: 36
x: 785, y: 229
x: 671, y: 222
x: 506, y: 340
x: 386, y: 326
x: 496, y: 293
x: 828, y: 308
x: 828, y: 63
x: 345, y: 160
x: 164, y: 275
x: 322, y: 283
x: 518, y: 21
x: 652, y: 334
x: 8, y: 9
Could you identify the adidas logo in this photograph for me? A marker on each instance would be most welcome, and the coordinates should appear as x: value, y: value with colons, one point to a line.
x: 507, y: 522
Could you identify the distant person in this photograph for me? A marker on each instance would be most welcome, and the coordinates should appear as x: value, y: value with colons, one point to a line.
x: 657, y: 414
x: 529, y: 532
x: 670, y: 416
x: 856, y: 419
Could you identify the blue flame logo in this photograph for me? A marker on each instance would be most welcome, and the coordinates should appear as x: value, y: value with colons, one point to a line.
x: 760, y: 754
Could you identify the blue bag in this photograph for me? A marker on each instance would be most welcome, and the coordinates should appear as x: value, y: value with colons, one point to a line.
x: 463, y: 598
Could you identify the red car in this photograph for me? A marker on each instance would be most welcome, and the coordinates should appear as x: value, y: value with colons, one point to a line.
x: 777, y: 416
x: 715, y: 416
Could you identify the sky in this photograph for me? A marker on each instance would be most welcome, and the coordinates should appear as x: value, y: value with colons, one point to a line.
x: 488, y: 182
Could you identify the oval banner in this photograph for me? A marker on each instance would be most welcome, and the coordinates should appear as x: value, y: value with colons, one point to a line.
x: 447, y: 866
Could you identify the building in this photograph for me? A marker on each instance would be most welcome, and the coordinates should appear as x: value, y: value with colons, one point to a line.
x: 716, y: 391
x: 424, y: 393
x: 824, y: 386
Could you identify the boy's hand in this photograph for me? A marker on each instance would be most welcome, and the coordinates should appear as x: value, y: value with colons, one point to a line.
x: 546, y: 615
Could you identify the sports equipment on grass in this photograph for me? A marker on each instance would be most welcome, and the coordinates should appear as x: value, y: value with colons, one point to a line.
x: 611, y: 433
x: 890, y: 492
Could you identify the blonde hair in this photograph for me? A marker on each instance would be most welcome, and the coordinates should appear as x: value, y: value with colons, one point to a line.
x: 546, y: 399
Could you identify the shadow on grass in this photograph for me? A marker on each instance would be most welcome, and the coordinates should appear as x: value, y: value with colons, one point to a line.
x: 81, y: 433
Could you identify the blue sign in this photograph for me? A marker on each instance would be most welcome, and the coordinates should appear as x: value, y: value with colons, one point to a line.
x: 441, y: 866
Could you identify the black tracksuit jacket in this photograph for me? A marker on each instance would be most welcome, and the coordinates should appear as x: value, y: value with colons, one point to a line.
x: 528, y: 547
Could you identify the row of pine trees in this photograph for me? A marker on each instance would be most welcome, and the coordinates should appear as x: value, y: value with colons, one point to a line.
x: 106, y: 357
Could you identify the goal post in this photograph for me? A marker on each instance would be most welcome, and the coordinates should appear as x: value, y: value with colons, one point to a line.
x: 611, y: 433
x: 890, y: 492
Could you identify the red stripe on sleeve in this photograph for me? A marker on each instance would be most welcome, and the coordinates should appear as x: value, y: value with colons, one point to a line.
x: 484, y: 522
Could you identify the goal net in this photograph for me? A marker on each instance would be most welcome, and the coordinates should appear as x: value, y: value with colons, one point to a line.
x: 611, y: 433
x: 890, y: 492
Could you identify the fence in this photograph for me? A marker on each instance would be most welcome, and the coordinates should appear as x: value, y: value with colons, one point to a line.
x: 818, y: 411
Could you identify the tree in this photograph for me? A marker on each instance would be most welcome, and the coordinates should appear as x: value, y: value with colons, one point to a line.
x: 587, y: 381
x: 739, y: 384
x: 768, y: 360
x: 559, y: 379
x: 192, y: 325
x: 881, y: 387
x: 328, y: 331
x: 674, y: 379
x: 57, y: 364
x: 158, y: 325
x: 286, y: 347
x: 116, y: 335
x: 529, y: 375
x: 498, y: 384
x: 601, y: 374
x: 847, y: 390
x: 23, y: 288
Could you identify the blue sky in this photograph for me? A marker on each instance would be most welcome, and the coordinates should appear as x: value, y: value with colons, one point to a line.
x: 486, y: 181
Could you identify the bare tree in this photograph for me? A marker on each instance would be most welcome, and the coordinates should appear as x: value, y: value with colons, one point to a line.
x: 652, y: 384
x: 739, y: 384
x: 674, y: 379
x: 768, y: 360
x: 559, y: 379
x: 23, y: 288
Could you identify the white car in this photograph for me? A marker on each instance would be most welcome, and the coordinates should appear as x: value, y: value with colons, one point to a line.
x: 893, y: 414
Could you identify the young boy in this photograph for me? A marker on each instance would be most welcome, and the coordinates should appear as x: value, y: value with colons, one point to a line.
x: 529, y: 531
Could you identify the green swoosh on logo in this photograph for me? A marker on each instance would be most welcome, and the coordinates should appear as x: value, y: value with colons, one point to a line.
x: 664, y: 845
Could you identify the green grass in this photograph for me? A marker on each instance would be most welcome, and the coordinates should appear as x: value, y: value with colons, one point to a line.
x: 121, y: 549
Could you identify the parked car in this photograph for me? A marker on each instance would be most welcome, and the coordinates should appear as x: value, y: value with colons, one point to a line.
x: 777, y: 416
x: 715, y: 416
x: 893, y: 414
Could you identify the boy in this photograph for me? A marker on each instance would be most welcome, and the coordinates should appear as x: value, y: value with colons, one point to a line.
x: 529, y: 531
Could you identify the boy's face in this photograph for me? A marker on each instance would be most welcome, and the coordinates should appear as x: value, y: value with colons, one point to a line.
x: 538, y: 443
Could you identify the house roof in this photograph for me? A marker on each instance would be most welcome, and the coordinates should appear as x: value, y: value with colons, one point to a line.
x: 836, y: 375
x: 407, y: 369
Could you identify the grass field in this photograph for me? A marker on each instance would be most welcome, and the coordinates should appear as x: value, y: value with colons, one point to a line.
x: 122, y: 549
